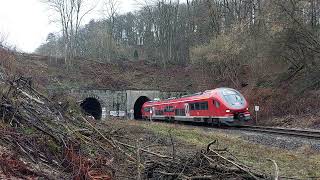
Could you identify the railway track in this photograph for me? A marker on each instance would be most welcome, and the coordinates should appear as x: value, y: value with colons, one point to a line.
x: 310, y: 134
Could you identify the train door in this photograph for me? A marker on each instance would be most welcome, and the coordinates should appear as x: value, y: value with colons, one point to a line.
x: 216, y: 107
x: 186, y: 108
x: 216, y: 112
x: 153, y: 111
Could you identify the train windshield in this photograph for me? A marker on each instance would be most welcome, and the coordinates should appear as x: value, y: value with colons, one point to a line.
x: 233, y: 98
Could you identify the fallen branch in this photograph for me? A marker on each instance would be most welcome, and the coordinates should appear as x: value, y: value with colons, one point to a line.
x: 144, y: 150
x: 276, y: 169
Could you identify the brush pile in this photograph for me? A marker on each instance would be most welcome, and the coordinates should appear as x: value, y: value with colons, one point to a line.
x: 207, y: 164
x: 45, y: 134
x: 49, y: 134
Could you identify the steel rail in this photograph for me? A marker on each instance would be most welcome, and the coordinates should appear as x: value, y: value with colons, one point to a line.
x: 310, y: 134
x: 302, y: 133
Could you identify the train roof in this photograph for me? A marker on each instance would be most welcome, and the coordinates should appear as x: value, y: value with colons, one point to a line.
x: 196, y: 96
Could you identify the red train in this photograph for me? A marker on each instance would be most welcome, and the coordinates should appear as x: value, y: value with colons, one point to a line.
x: 222, y: 106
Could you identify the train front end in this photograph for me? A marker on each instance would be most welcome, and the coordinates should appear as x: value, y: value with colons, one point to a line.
x: 236, y: 111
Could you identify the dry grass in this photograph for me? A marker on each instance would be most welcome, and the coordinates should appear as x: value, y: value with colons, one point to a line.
x: 303, y: 163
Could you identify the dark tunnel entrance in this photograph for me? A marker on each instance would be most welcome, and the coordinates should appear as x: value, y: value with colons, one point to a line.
x: 92, y: 107
x: 138, y: 105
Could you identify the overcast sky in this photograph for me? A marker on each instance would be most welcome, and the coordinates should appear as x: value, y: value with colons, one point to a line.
x: 28, y: 22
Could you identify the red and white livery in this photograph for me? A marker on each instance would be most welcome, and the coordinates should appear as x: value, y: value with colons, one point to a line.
x: 224, y: 106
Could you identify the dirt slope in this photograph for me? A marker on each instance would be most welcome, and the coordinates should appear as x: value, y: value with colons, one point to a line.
x: 280, y: 105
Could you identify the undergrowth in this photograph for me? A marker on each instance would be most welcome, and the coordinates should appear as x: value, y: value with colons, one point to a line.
x: 303, y: 163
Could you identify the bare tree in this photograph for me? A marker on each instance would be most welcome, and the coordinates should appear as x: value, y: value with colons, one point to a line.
x: 3, y: 39
x: 71, y: 14
x: 111, y: 8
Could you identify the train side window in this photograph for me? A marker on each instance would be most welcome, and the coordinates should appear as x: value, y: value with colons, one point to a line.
x: 146, y: 109
x: 183, y: 112
x: 192, y: 106
x: 216, y: 103
x: 180, y: 112
x: 169, y: 109
x: 204, y: 106
x: 201, y: 106
x: 159, y: 112
x: 197, y: 106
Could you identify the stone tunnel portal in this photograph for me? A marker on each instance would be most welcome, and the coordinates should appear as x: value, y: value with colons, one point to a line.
x: 138, y: 105
x: 92, y: 107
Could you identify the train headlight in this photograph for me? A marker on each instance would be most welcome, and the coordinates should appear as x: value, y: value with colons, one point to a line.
x: 227, y: 111
x: 247, y: 109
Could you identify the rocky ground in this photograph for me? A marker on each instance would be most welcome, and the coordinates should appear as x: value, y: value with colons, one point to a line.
x: 273, y: 140
x: 283, y: 142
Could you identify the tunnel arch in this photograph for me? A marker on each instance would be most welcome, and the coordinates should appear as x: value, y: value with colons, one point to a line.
x: 92, y: 107
x: 138, y: 105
